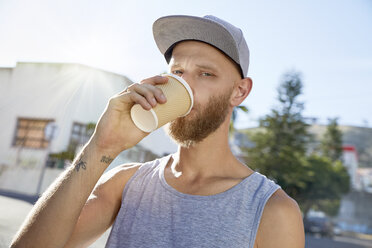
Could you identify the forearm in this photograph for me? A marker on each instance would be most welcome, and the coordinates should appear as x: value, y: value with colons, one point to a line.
x: 54, y: 216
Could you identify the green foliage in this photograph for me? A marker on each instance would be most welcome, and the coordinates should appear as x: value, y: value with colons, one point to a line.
x: 69, y: 154
x: 64, y: 155
x: 280, y: 149
x: 90, y: 127
x: 326, y: 182
x: 329, y: 179
x: 281, y: 153
x: 331, y: 144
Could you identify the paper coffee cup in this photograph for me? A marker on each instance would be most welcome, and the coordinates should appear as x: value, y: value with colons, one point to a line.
x: 179, y: 103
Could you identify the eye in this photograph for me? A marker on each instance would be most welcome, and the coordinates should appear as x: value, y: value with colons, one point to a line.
x: 177, y: 72
x: 206, y: 74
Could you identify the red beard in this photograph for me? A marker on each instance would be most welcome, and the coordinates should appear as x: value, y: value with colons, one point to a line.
x: 201, y: 122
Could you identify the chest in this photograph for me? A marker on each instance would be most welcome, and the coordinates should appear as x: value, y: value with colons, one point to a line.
x: 173, y: 222
x: 157, y: 214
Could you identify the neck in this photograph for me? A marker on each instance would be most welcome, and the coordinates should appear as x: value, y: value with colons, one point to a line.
x: 208, y: 158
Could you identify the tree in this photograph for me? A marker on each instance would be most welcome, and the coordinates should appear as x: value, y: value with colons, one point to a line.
x: 326, y: 182
x: 329, y: 178
x: 280, y: 150
x: 331, y: 144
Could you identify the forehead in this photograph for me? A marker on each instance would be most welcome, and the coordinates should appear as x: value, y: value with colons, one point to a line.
x: 193, y: 48
x: 202, y: 52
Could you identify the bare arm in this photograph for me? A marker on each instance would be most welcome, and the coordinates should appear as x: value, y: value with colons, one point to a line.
x: 100, y: 211
x: 54, y: 217
x: 281, y: 223
x: 52, y: 220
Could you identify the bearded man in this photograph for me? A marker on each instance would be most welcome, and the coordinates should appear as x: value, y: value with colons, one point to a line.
x: 200, y: 196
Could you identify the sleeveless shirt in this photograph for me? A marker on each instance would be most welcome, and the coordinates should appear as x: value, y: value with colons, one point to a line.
x: 154, y: 214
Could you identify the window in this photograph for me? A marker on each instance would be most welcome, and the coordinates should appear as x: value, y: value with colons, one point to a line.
x: 30, y: 133
x: 80, y: 134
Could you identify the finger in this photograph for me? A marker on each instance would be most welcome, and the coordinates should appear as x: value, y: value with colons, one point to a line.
x: 155, y: 80
x: 137, y: 98
x: 151, y: 93
x: 128, y: 89
x: 122, y: 92
x: 157, y: 93
x: 149, y: 81
x: 145, y: 91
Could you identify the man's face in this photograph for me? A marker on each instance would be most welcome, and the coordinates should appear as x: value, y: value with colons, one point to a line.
x: 211, y: 76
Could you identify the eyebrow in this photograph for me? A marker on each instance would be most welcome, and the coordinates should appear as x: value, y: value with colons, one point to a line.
x: 201, y: 66
x: 207, y: 67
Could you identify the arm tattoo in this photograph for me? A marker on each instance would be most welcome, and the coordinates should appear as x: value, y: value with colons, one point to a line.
x: 80, y: 164
x: 106, y: 160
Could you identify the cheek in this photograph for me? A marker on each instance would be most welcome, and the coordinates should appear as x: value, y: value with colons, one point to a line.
x: 200, y: 101
x: 201, y: 95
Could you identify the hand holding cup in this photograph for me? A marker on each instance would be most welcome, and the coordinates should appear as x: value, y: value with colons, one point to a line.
x: 115, y: 130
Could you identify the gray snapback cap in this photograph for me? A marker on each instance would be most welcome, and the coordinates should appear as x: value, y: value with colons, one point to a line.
x: 169, y: 30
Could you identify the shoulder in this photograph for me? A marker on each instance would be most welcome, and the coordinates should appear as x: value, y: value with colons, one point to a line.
x: 281, y: 221
x: 110, y: 186
x: 121, y: 172
x: 112, y: 183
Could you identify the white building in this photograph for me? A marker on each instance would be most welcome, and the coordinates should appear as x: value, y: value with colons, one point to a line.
x: 40, y: 99
x: 364, y: 180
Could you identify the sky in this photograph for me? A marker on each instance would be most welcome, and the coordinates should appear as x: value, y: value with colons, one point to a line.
x: 328, y: 42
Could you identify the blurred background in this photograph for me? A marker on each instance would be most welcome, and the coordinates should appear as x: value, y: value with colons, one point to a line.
x: 307, y: 123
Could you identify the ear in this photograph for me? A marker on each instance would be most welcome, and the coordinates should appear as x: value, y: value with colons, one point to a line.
x: 241, y: 90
